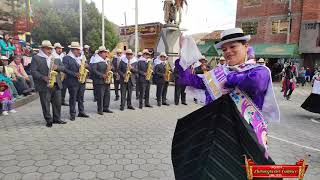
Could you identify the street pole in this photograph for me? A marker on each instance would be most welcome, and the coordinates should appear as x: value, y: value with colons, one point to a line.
x: 103, y: 39
x: 80, y: 11
x: 289, y: 22
x: 136, y: 29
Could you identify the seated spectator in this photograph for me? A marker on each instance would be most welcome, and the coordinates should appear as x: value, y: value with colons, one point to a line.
x: 27, y: 64
x: 18, y: 68
x: 8, y: 73
x: 6, y: 99
x: 6, y: 46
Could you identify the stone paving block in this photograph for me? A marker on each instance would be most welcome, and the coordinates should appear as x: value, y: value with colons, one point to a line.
x: 50, y: 176
x: 123, y: 174
x: 131, y: 167
x: 64, y: 169
x: 32, y: 176
x: 105, y: 174
x: 108, y: 161
x: 81, y: 168
x: 47, y: 169
x: 88, y: 175
x: 10, y: 169
x: 26, y: 163
x: 98, y: 168
x: 76, y: 162
x: 43, y: 163
x: 13, y: 176
x: 60, y: 162
x: 139, y: 174
x: 28, y: 169
x: 69, y: 175
x: 115, y: 167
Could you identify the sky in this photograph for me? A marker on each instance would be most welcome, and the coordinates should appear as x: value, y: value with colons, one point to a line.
x: 198, y: 17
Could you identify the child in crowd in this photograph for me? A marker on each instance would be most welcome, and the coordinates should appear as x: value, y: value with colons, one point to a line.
x: 6, y: 99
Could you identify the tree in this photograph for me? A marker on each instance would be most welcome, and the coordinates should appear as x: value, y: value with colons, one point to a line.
x: 58, y: 21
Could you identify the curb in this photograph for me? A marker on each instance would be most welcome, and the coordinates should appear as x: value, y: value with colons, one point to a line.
x: 26, y: 100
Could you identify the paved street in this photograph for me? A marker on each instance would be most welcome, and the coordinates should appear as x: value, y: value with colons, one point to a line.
x: 131, y: 145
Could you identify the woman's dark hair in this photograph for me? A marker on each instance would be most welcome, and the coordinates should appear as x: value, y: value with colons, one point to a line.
x: 4, y: 35
x: 243, y: 42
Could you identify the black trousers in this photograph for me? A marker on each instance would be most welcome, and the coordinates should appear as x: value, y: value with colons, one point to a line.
x: 162, y: 89
x: 95, y: 92
x: 52, y: 96
x: 76, y: 95
x: 126, y: 94
x: 144, y: 92
x: 103, y: 96
x: 116, y: 88
x: 137, y: 89
x: 63, y: 94
x: 179, y: 91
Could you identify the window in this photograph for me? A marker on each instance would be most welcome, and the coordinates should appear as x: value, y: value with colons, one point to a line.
x: 310, y: 26
x: 251, y: 2
x: 249, y: 27
x: 280, y: 26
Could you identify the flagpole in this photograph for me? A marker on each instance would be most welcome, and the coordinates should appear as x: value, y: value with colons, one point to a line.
x: 136, y: 29
x: 80, y: 12
x: 103, y: 33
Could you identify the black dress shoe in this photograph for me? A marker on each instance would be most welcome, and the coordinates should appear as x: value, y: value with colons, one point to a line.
x: 176, y: 104
x: 130, y: 107
x: 122, y: 109
x: 140, y: 107
x: 184, y: 103
x: 116, y: 99
x: 72, y: 118
x: 49, y: 124
x: 159, y: 104
x: 166, y: 104
x: 83, y: 115
x: 108, y: 111
x: 149, y: 106
x: 59, y: 122
x: 64, y: 104
x: 101, y: 113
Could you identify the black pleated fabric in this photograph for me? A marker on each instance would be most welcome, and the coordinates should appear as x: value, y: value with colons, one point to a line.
x: 312, y: 103
x: 210, y: 144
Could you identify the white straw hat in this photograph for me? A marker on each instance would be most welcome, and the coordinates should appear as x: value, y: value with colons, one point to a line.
x: 75, y: 45
x: 58, y: 45
x: 230, y: 35
x: 46, y: 43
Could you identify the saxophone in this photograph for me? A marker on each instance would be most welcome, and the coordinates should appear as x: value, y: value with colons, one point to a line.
x: 128, y: 73
x: 149, y: 71
x: 167, y: 73
x: 52, y: 74
x: 82, y: 70
x: 108, y: 73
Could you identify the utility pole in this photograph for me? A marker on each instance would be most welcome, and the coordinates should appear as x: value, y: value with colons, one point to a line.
x: 103, y: 38
x: 136, y: 29
x: 80, y: 12
x: 289, y: 21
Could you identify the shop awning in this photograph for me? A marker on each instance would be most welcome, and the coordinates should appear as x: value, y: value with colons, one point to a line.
x: 208, y: 49
x: 276, y: 50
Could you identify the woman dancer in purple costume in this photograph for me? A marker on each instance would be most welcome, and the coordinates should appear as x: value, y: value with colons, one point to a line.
x: 214, y: 138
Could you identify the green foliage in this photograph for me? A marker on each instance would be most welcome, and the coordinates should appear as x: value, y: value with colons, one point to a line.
x: 58, y: 21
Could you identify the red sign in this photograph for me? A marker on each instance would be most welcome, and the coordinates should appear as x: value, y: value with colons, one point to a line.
x: 275, y: 171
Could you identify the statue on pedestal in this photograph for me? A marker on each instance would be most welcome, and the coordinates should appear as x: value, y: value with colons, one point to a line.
x: 171, y: 10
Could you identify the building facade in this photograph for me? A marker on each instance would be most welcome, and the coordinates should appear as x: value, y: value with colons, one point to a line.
x: 148, y: 35
x: 281, y: 29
